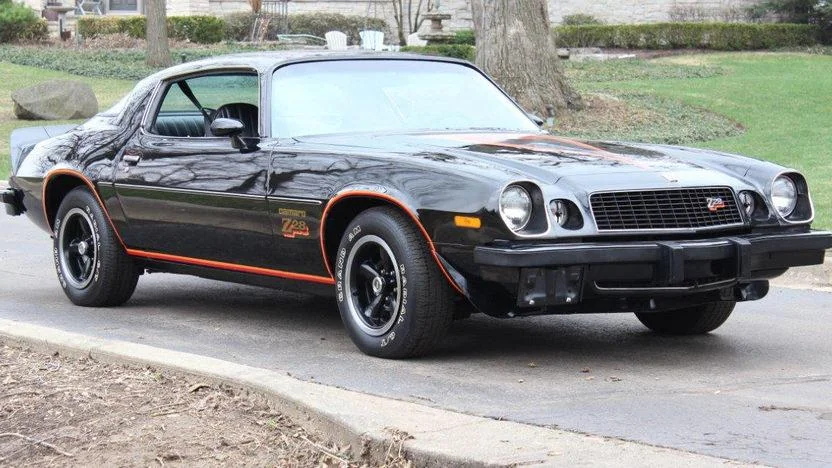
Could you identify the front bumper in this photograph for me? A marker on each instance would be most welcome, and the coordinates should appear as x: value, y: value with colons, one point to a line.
x: 12, y: 201
x: 730, y: 268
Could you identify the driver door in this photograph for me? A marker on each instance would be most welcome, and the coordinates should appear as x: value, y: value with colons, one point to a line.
x: 189, y: 194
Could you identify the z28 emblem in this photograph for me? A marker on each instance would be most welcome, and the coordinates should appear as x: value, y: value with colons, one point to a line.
x: 715, y: 204
x: 292, y: 227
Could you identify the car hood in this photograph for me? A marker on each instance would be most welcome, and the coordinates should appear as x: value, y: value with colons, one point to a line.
x: 559, y: 160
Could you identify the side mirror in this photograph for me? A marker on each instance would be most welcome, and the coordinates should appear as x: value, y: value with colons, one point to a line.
x: 537, y: 119
x: 227, y: 127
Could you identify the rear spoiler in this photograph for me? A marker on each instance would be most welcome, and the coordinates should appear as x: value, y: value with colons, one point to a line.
x: 22, y: 140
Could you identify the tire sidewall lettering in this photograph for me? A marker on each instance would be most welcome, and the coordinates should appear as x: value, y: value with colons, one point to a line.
x: 396, y: 331
x: 96, y: 228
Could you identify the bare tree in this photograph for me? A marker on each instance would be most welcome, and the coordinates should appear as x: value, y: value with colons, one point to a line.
x: 156, y: 33
x: 515, y: 45
x: 408, y: 16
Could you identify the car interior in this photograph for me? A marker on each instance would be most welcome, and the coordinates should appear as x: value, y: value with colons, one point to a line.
x: 190, y: 106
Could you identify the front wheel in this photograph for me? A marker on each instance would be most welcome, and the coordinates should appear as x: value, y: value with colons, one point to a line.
x: 393, y: 299
x: 92, y: 267
x: 696, y: 320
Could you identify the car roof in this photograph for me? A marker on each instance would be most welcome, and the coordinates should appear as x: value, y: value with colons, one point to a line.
x: 263, y: 62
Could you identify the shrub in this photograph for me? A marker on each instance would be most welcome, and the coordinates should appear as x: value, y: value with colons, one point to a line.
x: 318, y: 24
x: 18, y: 22
x: 238, y: 26
x: 580, y: 19
x: 200, y: 29
x: 464, y: 37
x: 460, y: 51
x: 715, y: 36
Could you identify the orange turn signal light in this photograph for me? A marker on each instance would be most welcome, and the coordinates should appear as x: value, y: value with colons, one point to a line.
x: 469, y: 222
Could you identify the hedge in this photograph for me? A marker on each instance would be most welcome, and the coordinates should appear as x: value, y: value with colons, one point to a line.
x: 715, y: 36
x: 237, y: 26
x: 318, y: 24
x: 460, y: 51
x: 18, y: 22
x: 200, y: 29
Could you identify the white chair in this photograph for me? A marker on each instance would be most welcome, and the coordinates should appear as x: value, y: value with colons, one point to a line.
x: 372, y: 40
x: 414, y: 40
x: 336, y: 40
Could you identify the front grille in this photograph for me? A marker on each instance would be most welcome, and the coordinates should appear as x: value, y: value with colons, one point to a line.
x: 686, y: 208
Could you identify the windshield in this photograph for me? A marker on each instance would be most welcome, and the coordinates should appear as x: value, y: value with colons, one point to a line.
x: 387, y: 95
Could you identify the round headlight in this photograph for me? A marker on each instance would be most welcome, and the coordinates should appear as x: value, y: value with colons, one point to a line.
x: 748, y: 202
x: 515, y: 207
x: 784, y: 195
x: 560, y: 210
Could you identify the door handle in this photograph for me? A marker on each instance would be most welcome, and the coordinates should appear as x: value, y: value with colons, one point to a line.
x: 132, y: 159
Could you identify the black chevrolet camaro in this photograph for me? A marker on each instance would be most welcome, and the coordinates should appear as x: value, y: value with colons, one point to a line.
x: 412, y: 188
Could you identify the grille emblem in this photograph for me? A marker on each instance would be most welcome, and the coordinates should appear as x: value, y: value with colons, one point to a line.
x: 715, y: 204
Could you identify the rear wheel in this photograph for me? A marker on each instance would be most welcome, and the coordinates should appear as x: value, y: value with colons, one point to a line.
x: 393, y: 299
x: 92, y: 267
x: 696, y: 320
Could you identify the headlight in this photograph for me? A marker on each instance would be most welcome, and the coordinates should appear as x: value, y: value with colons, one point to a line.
x: 784, y: 195
x: 748, y: 202
x: 560, y: 210
x: 515, y: 207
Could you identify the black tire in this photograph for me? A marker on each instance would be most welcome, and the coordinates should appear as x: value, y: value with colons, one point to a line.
x: 696, y: 320
x: 414, y: 302
x: 100, y: 274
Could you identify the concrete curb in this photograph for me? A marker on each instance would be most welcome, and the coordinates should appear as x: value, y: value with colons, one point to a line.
x: 369, y: 423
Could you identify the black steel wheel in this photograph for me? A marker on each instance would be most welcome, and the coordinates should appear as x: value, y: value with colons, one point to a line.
x: 93, y: 268
x: 694, y: 320
x: 393, y: 299
x: 77, y: 251
x: 374, y: 285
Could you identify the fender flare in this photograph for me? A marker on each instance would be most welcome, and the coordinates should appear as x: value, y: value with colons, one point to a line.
x: 86, y: 181
x: 398, y: 203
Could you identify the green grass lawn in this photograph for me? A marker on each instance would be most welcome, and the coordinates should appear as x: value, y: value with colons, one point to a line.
x: 107, y: 91
x: 784, y: 101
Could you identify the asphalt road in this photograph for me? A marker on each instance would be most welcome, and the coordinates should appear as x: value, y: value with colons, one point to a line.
x: 757, y: 390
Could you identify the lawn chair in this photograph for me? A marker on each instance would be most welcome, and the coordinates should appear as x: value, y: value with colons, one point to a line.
x: 83, y: 7
x: 372, y: 40
x: 336, y: 40
x: 414, y: 40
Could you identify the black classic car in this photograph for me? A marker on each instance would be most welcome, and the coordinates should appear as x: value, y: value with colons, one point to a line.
x: 412, y: 188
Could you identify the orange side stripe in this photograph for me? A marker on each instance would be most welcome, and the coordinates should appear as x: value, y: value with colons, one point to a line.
x: 231, y: 266
x: 367, y: 193
x: 78, y: 175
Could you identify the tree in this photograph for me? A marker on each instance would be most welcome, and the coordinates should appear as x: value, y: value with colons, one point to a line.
x: 515, y: 45
x: 156, y: 33
x: 408, y: 16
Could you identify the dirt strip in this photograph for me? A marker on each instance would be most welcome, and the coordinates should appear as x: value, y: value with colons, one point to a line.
x: 64, y: 411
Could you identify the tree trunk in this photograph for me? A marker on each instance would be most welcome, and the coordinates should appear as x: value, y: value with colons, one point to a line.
x: 515, y: 45
x: 158, y: 52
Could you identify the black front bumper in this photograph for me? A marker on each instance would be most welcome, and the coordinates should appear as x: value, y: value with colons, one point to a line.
x: 12, y: 201
x: 730, y: 268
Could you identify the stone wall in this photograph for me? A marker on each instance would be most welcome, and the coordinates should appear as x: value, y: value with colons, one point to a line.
x: 609, y: 11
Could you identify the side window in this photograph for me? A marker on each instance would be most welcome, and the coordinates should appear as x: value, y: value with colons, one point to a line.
x: 189, y: 106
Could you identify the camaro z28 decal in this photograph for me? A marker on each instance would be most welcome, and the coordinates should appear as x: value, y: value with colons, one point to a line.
x: 292, y: 223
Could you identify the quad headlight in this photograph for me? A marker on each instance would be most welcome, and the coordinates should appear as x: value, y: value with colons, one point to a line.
x: 516, y: 207
x: 748, y: 202
x: 784, y: 195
